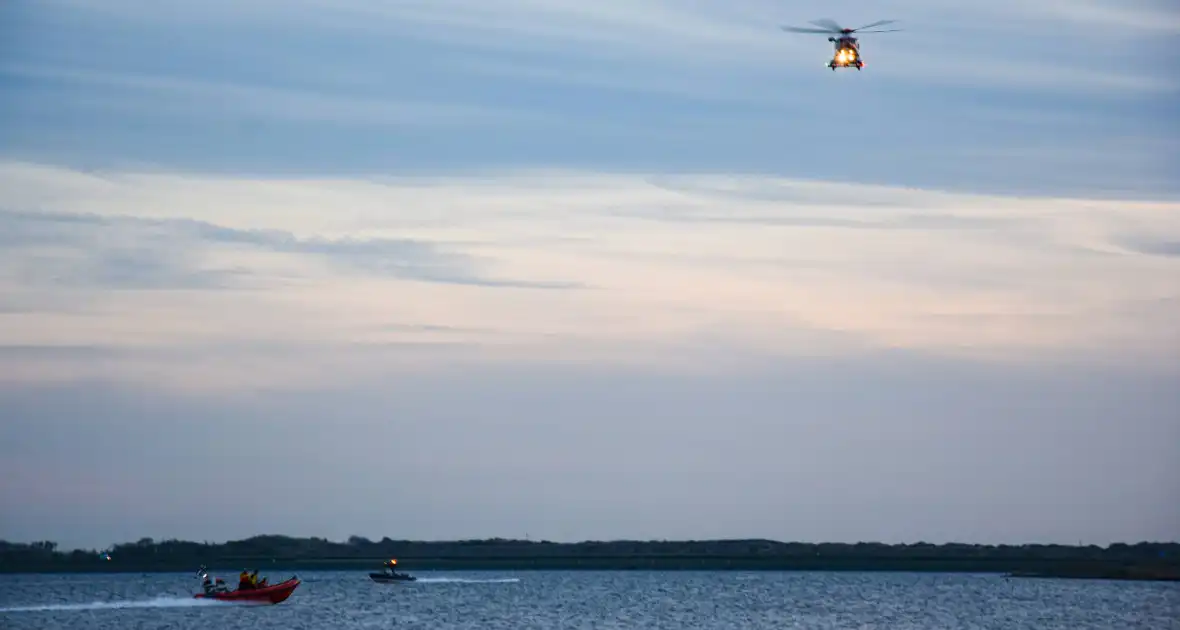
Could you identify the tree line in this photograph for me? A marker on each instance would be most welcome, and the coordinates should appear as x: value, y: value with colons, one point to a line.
x: 273, y: 552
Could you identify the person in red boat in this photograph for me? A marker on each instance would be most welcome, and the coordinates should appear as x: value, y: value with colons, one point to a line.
x: 209, y: 585
x: 244, y: 581
x: 213, y: 587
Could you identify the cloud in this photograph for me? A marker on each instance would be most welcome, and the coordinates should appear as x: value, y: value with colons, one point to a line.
x: 740, y: 34
x: 64, y: 251
x: 133, y: 253
x: 166, y: 94
x: 687, y: 48
x: 1104, y: 15
x: 1155, y: 247
x: 680, y: 265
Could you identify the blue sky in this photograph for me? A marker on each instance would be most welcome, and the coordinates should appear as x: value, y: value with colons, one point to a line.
x: 589, y: 270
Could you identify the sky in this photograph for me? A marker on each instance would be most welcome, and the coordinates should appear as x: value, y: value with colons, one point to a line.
x: 438, y: 269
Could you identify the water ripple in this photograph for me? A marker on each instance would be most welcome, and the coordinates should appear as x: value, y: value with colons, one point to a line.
x: 600, y: 600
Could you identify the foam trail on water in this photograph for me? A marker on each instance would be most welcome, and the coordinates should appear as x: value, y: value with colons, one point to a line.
x: 159, y: 602
x: 447, y: 580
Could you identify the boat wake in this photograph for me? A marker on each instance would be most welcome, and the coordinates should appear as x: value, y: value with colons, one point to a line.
x: 159, y: 602
x: 447, y: 580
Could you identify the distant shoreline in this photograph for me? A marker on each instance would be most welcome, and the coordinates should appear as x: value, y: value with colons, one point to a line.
x: 266, y: 566
x: 271, y: 554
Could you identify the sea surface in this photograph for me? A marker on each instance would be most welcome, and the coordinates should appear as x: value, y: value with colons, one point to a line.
x: 599, y: 600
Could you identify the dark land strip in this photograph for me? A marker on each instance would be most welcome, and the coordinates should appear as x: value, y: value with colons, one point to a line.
x: 1142, y: 561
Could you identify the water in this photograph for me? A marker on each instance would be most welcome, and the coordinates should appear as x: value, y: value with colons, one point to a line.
x: 599, y: 601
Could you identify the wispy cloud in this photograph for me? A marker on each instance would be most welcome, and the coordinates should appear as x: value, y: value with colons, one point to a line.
x: 719, y: 38
x: 1155, y: 247
x: 759, y: 263
x: 136, y: 253
x: 1154, y: 16
x: 225, y: 99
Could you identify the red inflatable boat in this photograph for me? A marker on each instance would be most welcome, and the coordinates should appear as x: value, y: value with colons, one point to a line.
x: 270, y: 594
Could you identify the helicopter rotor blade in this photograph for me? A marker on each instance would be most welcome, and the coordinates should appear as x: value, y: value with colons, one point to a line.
x: 895, y: 30
x: 880, y: 23
x: 795, y: 29
x: 828, y: 24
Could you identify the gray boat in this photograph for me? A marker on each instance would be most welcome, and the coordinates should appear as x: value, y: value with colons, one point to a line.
x: 388, y: 575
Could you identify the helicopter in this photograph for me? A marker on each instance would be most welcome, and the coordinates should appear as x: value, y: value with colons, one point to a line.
x: 847, y: 49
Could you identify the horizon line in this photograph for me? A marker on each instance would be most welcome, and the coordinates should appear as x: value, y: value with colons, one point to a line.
x: 147, y: 540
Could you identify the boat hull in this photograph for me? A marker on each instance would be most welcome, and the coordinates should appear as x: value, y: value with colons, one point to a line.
x: 385, y: 578
x: 272, y: 594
